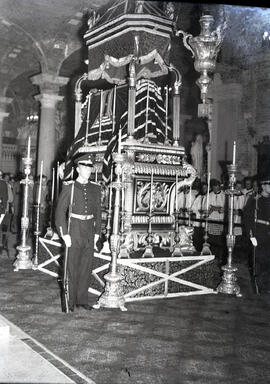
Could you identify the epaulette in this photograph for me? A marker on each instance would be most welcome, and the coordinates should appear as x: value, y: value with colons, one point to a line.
x: 68, y: 182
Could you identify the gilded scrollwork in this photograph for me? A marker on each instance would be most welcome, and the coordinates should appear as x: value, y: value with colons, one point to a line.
x: 160, y: 196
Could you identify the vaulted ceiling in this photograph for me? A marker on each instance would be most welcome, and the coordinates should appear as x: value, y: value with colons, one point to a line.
x: 46, y: 36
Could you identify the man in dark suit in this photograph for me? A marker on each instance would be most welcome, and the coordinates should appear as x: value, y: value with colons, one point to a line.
x: 256, y: 220
x: 3, y: 204
x: 85, y: 226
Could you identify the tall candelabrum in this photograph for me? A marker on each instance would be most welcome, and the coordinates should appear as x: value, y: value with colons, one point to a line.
x: 229, y: 284
x: 176, y: 250
x: 124, y: 252
x: 150, y: 237
x: 37, y: 231
x: 23, y: 259
x: 204, y: 49
x: 112, y: 296
x: 206, y: 246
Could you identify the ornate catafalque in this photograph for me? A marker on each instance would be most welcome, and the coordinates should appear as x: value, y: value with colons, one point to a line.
x: 128, y: 49
x: 122, y: 105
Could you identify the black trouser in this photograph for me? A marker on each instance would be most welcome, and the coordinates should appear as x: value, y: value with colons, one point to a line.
x: 218, y: 247
x: 198, y: 239
x: 262, y: 267
x: 80, y: 260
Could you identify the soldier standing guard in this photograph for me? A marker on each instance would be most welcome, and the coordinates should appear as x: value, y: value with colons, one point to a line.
x: 256, y: 220
x: 85, y: 226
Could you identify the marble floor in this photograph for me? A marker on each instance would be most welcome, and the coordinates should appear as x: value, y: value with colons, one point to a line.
x: 24, y: 360
x: 208, y: 339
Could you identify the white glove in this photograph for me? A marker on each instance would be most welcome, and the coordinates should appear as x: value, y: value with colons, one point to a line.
x: 2, y: 217
x: 67, y: 240
x: 254, y: 241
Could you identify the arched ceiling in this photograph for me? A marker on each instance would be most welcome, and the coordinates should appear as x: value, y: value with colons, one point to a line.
x: 46, y: 35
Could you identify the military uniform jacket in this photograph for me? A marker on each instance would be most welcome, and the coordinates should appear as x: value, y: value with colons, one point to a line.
x: 259, y: 229
x: 86, y: 201
x: 3, y: 196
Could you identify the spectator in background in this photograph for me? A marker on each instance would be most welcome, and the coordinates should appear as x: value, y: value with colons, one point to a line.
x: 248, y: 188
x: 239, y: 203
x: 216, y: 211
x: 3, y: 205
x: 199, y: 226
x: 31, y: 210
x: 43, y: 194
x: 17, y: 204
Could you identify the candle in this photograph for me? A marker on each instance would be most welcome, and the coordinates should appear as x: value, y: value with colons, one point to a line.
x: 190, y: 195
x: 151, y: 192
x: 88, y: 116
x: 176, y: 192
x: 123, y: 197
x: 29, y: 147
x: 40, y: 182
x: 96, y: 175
x: 234, y: 152
x: 208, y: 191
x: 119, y: 140
x: 110, y: 193
x: 57, y: 179
x: 53, y: 177
x: 100, y: 117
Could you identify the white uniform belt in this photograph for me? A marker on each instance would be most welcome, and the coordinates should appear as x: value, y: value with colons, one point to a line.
x: 265, y: 222
x: 81, y: 217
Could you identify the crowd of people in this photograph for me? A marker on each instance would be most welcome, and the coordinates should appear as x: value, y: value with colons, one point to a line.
x: 207, y: 211
x: 203, y: 206
x: 11, y: 198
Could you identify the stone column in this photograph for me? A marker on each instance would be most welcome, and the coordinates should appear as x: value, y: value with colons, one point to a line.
x: 49, y: 88
x: 3, y: 103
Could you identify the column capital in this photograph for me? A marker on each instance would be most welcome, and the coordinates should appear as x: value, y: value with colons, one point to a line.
x: 48, y: 82
x: 49, y: 100
x: 5, y: 100
x: 3, y: 115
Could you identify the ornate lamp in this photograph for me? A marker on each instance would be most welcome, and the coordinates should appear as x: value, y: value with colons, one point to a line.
x: 204, y: 49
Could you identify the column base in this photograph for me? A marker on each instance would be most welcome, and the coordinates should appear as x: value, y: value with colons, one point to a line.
x: 111, y: 297
x: 23, y: 260
x: 228, y: 284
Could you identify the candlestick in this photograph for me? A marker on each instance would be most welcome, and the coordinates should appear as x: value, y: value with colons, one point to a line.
x: 229, y: 283
x: 87, y: 118
x: 151, y: 192
x: 100, y: 117
x: 53, y: 177
x: 189, y: 207
x: 29, y: 147
x: 146, y: 139
x: 208, y: 191
x: 166, y: 112
x: 176, y: 192
x: 110, y: 192
x: 234, y: 152
x: 40, y: 181
x: 190, y: 196
x: 57, y: 179
x: 119, y: 140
